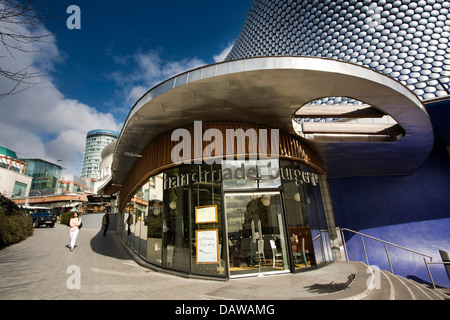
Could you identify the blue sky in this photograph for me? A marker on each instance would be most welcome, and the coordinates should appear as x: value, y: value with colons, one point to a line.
x: 94, y: 75
x: 112, y: 32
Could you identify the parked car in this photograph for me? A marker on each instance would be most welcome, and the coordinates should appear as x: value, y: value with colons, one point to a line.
x: 41, y: 216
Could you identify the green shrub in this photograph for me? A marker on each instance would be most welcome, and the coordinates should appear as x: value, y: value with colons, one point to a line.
x: 14, y: 228
x: 15, y: 224
x: 65, y: 218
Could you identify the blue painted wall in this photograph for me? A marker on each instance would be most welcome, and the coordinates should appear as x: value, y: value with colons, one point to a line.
x: 411, y: 211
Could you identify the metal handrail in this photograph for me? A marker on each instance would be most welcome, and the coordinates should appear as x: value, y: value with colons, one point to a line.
x: 428, y: 263
x: 424, y: 256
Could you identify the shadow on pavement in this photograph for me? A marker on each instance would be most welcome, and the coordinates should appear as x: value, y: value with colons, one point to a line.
x: 331, y: 287
x: 109, y: 245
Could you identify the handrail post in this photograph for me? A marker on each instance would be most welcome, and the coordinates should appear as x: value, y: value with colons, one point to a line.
x: 326, y: 241
x: 429, y: 273
x: 321, y: 248
x: 345, y: 244
x: 389, y: 260
x: 365, y: 252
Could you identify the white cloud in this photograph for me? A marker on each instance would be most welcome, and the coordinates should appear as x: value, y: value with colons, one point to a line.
x: 221, y: 56
x: 137, y: 92
x: 40, y: 122
x: 149, y: 69
x: 47, y: 125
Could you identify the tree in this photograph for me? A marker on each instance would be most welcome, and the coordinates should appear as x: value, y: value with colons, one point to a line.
x: 17, y: 18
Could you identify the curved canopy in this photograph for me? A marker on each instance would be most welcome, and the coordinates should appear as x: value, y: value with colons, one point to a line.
x: 268, y: 91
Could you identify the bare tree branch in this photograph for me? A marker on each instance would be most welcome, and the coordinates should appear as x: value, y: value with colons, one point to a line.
x: 17, y: 19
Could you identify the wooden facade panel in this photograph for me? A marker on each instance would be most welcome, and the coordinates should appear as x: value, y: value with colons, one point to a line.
x: 157, y: 155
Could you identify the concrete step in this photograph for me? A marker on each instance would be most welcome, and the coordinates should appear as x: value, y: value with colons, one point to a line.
x: 387, y: 286
x: 399, y: 286
x: 371, y: 283
x: 381, y: 286
x: 421, y: 291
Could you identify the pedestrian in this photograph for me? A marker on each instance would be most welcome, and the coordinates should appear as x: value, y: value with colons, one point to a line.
x: 106, y: 222
x: 74, y: 224
x: 129, y: 222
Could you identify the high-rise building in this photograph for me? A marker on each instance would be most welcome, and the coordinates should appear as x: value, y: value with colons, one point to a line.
x: 96, y: 140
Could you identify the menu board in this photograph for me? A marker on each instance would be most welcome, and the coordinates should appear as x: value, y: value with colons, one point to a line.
x: 207, y: 243
x: 206, y: 214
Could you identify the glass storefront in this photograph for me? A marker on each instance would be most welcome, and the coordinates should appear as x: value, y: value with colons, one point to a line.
x: 45, y: 176
x: 237, y: 218
x: 256, y: 237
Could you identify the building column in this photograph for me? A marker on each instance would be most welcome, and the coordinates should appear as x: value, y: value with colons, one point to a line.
x: 334, y: 236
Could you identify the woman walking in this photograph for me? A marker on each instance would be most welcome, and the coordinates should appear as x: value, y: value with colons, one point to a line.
x: 75, y: 223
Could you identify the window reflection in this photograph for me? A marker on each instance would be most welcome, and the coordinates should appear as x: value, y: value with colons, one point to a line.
x: 135, y: 221
x: 207, y: 199
x: 250, y: 174
x: 129, y: 217
x: 298, y: 215
x: 155, y: 220
x: 176, y: 223
x: 256, y: 238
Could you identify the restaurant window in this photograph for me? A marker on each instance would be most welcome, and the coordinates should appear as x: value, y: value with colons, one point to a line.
x: 155, y: 220
x: 135, y: 225
x: 20, y: 189
x: 176, y: 238
x: 207, y: 249
x: 298, y: 184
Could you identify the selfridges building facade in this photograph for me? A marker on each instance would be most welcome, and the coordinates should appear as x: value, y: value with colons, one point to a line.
x: 345, y: 102
x: 406, y: 40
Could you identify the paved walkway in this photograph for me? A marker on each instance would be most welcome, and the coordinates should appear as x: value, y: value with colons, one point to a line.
x: 100, y: 268
x: 43, y: 268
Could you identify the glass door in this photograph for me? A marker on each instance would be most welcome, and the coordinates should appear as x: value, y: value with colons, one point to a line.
x: 256, y: 237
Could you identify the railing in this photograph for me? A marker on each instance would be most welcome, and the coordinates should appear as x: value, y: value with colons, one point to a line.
x: 424, y: 256
x: 428, y: 263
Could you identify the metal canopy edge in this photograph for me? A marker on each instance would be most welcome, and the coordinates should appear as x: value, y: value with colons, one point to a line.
x: 268, y: 91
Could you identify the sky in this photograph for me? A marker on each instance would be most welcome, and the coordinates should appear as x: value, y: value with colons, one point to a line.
x: 91, y: 77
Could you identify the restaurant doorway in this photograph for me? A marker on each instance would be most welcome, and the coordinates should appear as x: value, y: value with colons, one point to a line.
x: 256, y: 234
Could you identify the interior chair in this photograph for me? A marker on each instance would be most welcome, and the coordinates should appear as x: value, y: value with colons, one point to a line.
x: 277, y: 257
x: 300, y: 257
x: 260, y: 252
